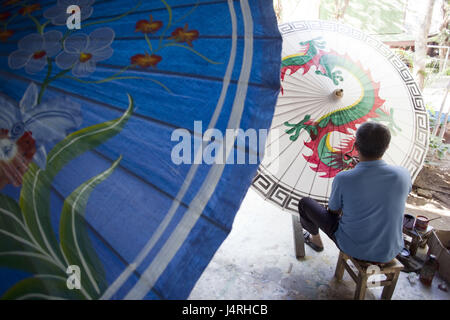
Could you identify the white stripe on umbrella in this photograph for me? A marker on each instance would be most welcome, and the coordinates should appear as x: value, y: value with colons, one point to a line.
x: 197, y: 205
x: 117, y: 284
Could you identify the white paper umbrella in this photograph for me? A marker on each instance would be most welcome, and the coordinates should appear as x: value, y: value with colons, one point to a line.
x: 334, y: 78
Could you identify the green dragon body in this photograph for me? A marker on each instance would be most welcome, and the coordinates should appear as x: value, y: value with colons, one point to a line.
x: 325, y: 158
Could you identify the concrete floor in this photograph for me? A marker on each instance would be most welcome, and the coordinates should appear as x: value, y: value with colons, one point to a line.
x: 257, y: 262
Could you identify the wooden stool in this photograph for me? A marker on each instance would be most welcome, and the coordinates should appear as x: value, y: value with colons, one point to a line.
x: 391, y: 270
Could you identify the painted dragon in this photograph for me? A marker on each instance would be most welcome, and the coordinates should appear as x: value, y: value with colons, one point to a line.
x: 327, y: 159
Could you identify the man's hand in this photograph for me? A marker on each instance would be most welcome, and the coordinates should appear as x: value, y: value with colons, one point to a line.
x: 338, y: 212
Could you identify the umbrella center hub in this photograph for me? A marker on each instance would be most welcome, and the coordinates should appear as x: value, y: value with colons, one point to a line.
x: 338, y: 93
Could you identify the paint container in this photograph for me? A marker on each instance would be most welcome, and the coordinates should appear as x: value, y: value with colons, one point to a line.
x: 421, y: 223
x: 428, y: 270
x: 408, y: 221
x: 405, y: 253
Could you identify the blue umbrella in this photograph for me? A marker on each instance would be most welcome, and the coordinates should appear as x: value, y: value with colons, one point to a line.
x: 104, y: 193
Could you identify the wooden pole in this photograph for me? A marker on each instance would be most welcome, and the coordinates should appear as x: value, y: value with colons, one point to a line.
x: 435, y: 130
x: 444, y: 125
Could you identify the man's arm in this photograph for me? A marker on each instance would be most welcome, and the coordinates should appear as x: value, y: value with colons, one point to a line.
x: 335, y: 201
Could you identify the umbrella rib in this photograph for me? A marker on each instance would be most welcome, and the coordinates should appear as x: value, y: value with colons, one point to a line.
x: 303, y: 98
x: 314, y: 103
x: 290, y: 165
x: 322, y: 84
x: 294, y: 85
x: 311, y: 107
x: 300, y: 151
x: 299, y: 104
x: 285, y: 133
x: 279, y: 155
x: 304, y: 90
x: 179, y: 74
x: 301, y: 82
x: 316, y: 81
x: 299, y: 100
x: 278, y: 138
x: 100, y: 103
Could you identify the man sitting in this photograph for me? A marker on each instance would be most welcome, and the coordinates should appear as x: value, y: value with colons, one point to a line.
x: 366, y: 205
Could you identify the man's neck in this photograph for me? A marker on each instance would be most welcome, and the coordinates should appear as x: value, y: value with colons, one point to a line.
x: 363, y: 159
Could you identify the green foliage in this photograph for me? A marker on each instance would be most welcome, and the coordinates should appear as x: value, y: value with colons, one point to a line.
x: 406, y: 56
x: 27, y: 240
x: 431, y: 116
x: 430, y: 108
x: 386, y: 16
x: 432, y: 66
x: 438, y: 147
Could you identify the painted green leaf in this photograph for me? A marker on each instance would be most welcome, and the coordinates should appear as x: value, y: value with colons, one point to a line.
x: 75, y: 241
x: 43, y: 287
x: 11, y: 216
x: 35, y: 193
x: 84, y: 140
x: 35, y: 205
x: 18, y: 248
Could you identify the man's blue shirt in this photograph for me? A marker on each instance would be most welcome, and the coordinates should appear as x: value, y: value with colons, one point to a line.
x: 372, y: 197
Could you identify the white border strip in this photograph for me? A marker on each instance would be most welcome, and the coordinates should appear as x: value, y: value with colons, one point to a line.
x: 197, y: 205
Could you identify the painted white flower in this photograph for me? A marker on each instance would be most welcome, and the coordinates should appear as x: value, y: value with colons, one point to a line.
x: 33, y: 51
x: 82, y: 52
x: 58, y: 14
x: 46, y: 122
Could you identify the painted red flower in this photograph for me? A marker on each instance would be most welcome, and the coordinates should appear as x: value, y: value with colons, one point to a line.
x: 184, y: 35
x: 29, y: 9
x: 4, y: 15
x: 15, y: 157
x: 145, y: 60
x: 5, y: 34
x: 10, y: 2
x: 148, y: 26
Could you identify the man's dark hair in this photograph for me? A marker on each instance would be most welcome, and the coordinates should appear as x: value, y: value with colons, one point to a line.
x: 372, y: 139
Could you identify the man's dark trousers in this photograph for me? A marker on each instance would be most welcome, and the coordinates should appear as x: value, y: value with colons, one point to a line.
x: 314, y: 216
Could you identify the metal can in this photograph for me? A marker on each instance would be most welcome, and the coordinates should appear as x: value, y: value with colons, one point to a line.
x: 421, y: 223
x: 408, y: 221
x: 428, y: 270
